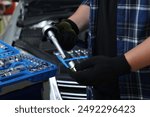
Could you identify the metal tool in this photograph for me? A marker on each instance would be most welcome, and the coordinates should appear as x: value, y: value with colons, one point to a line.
x: 48, y: 31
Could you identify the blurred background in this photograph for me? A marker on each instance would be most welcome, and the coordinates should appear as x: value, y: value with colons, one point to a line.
x: 7, y: 8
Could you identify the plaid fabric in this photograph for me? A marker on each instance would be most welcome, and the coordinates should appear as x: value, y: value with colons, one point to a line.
x: 133, y: 27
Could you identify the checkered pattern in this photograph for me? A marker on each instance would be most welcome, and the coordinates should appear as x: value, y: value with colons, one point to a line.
x: 133, y: 27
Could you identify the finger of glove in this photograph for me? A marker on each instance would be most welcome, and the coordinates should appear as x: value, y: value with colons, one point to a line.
x: 83, y: 77
x: 85, y: 64
x: 64, y: 26
x: 91, y: 62
x: 68, y: 40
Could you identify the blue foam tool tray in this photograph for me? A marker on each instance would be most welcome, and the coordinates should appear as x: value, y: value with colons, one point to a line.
x: 17, y: 66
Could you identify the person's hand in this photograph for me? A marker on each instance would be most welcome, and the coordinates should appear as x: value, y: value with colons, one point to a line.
x: 98, y: 70
x: 67, y: 34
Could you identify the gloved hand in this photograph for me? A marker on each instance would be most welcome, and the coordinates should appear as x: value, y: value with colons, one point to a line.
x: 67, y: 34
x: 98, y: 70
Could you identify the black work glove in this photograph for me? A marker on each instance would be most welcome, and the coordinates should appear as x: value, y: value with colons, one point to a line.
x: 67, y: 34
x: 98, y: 70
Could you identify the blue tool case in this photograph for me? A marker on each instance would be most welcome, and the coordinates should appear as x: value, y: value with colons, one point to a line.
x: 18, y: 66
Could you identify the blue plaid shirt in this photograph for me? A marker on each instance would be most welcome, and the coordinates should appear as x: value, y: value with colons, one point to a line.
x: 133, y: 27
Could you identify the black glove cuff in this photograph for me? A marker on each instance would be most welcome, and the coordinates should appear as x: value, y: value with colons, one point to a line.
x: 73, y: 25
x: 121, y: 65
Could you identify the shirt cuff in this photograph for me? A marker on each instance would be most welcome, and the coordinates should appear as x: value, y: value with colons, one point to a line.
x: 86, y: 2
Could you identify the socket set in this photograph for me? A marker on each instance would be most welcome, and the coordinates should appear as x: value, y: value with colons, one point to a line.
x: 76, y: 55
x: 17, y: 66
x: 6, y: 50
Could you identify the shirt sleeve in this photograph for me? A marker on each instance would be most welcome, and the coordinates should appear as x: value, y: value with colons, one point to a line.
x: 86, y: 2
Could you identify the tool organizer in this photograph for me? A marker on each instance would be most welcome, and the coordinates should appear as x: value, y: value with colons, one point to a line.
x: 76, y: 55
x: 17, y: 66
